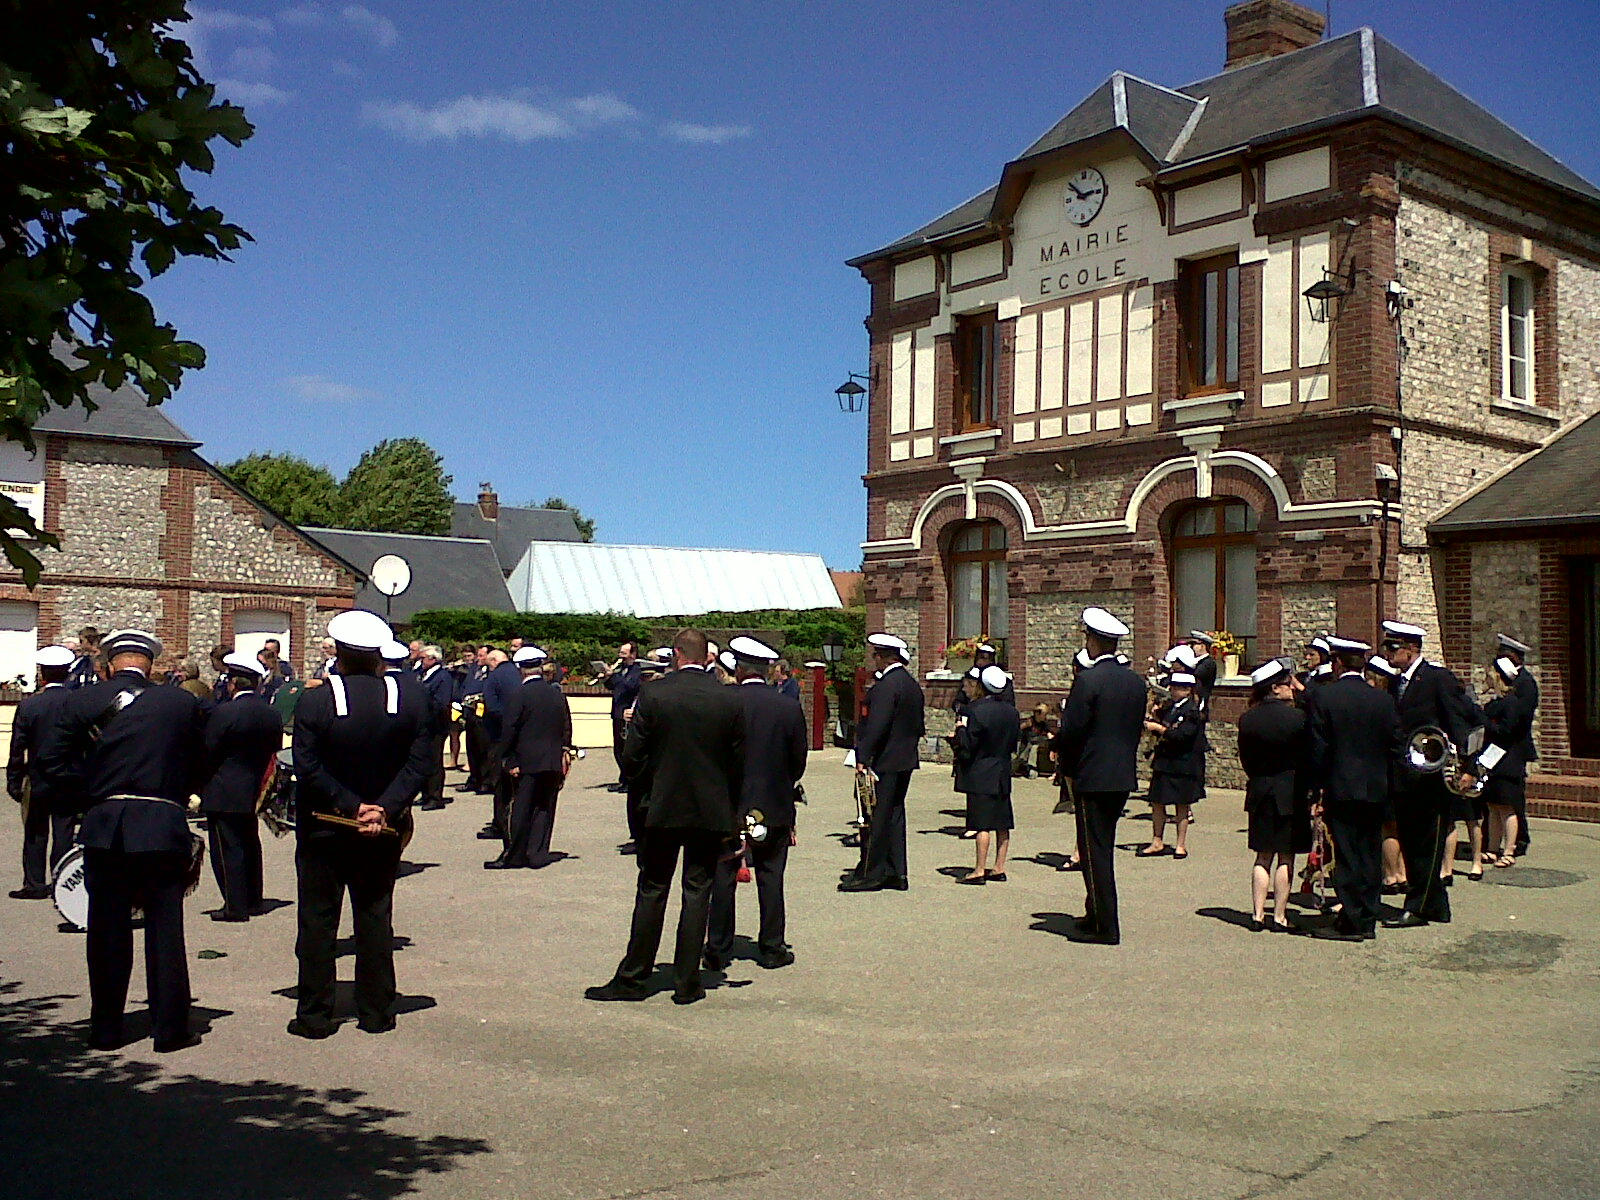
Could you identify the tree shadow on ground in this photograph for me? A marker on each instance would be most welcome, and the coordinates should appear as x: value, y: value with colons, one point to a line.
x: 74, y: 1122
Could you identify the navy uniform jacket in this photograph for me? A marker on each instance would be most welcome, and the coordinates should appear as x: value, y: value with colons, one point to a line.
x: 1097, y: 746
x: 624, y: 685
x: 985, y: 744
x: 959, y: 704
x: 83, y: 673
x: 538, y: 727
x: 890, y: 735
x: 1355, y: 737
x: 1526, y: 689
x: 367, y: 757
x: 441, y: 688
x: 1181, y: 750
x: 1435, y: 697
x: 502, y: 683
x: 35, y: 731
x: 775, y: 746
x: 153, y: 747
x: 242, y: 738
x: 1274, y: 751
x: 472, y: 683
x: 790, y: 688
x: 1509, y: 726
x: 1205, y: 678
x: 685, y: 748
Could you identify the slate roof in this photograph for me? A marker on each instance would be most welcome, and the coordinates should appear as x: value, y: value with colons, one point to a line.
x: 121, y: 415
x: 666, y: 581
x: 1356, y: 75
x: 446, y: 572
x: 1558, y: 484
x: 515, y: 527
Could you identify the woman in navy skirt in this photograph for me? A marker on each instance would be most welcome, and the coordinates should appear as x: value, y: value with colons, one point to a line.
x: 1273, y: 750
x: 1177, y: 764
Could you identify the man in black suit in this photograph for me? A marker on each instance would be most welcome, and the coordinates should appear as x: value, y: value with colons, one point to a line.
x: 1354, y: 734
x: 441, y: 687
x: 243, y: 737
x: 1097, y: 751
x: 888, y: 744
x: 686, y: 747
x: 498, y: 689
x: 51, y: 804
x: 143, y: 756
x: 533, y: 754
x: 623, y: 681
x: 477, y: 736
x: 1427, y: 694
x: 774, y: 761
x: 361, y: 748
x: 1526, y: 689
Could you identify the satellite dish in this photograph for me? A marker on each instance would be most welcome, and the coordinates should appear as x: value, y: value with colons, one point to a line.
x: 391, y: 575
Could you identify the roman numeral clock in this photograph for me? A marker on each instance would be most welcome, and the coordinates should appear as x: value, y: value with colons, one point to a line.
x: 1085, y: 196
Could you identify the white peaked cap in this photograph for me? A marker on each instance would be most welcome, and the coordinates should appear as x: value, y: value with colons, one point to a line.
x: 394, y: 651
x: 528, y: 654
x: 136, y: 641
x: 360, y: 630
x: 1508, y: 669
x: 751, y: 650
x: 1268, y: 672
x: 1098, y: 620
x: 1400, y: 629
x: 994, y: 679
x: 888, y: 641
x: 1511, y: 643
x: 55, y: 656
x: 244, y: 664
x: 728, y: 661
x: 1181, y: 679
x: 1382, y: 666
x: 1200, y: 635
x: 1342, y: 645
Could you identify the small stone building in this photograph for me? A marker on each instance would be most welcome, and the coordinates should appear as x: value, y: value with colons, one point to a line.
x: 154, y: 536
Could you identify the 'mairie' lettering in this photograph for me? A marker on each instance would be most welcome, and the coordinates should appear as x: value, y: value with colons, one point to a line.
x: 1084, y: 243
x: 1083, y: 277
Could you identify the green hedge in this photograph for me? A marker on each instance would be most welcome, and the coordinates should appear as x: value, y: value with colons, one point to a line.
x: 575, y: 638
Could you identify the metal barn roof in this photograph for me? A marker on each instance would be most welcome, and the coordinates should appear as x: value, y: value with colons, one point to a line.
x: 664, y: 581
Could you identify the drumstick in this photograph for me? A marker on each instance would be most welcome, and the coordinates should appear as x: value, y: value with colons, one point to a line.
x: 351, y: 822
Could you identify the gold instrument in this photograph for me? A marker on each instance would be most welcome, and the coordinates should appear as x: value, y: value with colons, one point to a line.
x: 1430, y: 752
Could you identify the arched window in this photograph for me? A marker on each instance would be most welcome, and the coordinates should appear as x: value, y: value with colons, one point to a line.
x: 1213, y: 565
x: 980, y: 604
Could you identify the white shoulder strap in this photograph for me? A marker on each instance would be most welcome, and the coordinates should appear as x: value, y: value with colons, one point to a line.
x: 391, y: 687
x: 341, y: 702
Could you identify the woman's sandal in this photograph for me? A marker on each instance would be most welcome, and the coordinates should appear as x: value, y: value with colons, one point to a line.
x: 1147, y: 852
x: 1180, y: 854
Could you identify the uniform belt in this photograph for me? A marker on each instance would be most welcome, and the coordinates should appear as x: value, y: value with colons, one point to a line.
x: 147, y: 799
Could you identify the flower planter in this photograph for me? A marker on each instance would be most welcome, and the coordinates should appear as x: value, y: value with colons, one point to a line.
x: 959, y: 666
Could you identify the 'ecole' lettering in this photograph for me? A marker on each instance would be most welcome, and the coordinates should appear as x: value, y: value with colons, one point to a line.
x: 1083, y: 277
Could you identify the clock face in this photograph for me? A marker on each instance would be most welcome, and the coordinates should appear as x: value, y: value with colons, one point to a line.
x: 1086, y: 195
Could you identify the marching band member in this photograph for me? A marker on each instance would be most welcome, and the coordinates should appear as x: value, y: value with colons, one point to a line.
x: 361, y: 749
x: 775, y: 747
x: 1316, y: 667
x: 1205, y: 665
x: 1178, y: 763
x: 1509, y: 732
x: 887, y: 745
x: 1097, y: 751
x: 1527, y: 689
x: 143, y: 753
x: 440, y: 685
x: 1273, y: 752
x: 52, y: 802
x: 622, y: 680
x: 243, y: 737
x: 1354, y: 735
x: 532, y: 752
x: 1426, y: 694
x: 985, y: 740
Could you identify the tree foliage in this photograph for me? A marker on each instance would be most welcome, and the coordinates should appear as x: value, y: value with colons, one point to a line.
x: 297, y: 490
x: 101, y: 114
x: 585, y: 524
x: 399, y: 486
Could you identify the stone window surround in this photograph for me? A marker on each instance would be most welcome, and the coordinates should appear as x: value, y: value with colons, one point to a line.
x: 1506, y: 254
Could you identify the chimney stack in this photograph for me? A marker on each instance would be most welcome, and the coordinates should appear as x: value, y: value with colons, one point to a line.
x: 1263, y: 29
x: 488, y: 502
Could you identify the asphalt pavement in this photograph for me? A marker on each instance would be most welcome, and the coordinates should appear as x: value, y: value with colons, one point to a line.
x: 945, y: 1041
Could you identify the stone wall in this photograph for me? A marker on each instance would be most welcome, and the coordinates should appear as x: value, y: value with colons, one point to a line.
x: 232, y: 543
x: 1055, y: 631
x: 107, y: 608
x: 1307, y: 610
x: 1069, y: 498
x: 897, y: 517
x: 903, y: 618
x: 111, y: 519
x: 1505, y: 590
x: 1438, y: 470
x: 1417, y: 596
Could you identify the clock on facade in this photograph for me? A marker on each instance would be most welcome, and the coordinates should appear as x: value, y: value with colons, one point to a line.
x: 1086, y: 195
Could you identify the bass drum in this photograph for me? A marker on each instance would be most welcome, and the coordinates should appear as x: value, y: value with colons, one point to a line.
x: 71, y: 893
x: 277, y: 806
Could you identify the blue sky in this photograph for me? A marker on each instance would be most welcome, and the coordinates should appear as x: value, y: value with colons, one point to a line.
x: 597, y: 250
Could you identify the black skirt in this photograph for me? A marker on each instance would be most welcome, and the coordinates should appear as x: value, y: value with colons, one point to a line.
x: 1173, y: 790
x: 1512, y: 793
x: 1273, y: 833
x: 989, y: 812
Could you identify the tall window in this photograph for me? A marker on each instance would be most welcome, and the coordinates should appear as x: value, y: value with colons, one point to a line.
x: 1208, y: 291
x: 1516, y: 335
x: 1214, y: 570
x: 979, y: 601
x: 1585, y: 707
x: 977, y: 355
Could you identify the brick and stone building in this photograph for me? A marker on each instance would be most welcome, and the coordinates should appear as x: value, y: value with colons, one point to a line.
x: 154, y: 536
x: 1101, y: 380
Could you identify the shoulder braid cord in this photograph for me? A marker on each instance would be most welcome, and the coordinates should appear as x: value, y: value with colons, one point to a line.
x: 341, y: 699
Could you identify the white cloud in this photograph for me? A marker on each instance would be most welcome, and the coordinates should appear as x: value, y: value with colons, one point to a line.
x: 209, y: 19
x: 319, y: 389
x: 252, y: 93
x: 379, y: 28
x: 251, y: 62
x: 303, y: 14
x: 510, y: 118
x: 704, y: 135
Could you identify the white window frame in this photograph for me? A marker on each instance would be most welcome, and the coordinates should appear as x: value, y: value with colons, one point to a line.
x: 1530, y: 322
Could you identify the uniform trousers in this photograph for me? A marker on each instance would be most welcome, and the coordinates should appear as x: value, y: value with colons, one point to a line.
x: 46, y: 836
x: 886, y: 839
x: 619, y: 736
x: 119, y: 882
x: 492, y: 729
x: 433, y: 781
x: 477, y: 744
x: 327, y: 867
x: 1422, y: 820
x: 634, y: 807
x: 236, y: 860
x: 1357, y: 833
x: 658, y: 861
x: 1097, y: 816
x: 533, y: 817
x: 768, y: 858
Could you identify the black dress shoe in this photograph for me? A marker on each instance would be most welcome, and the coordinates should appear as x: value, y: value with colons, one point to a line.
x: 1448, y: 880
x: 105, y: 1043
x: 431, y: 806
x: 973, y: 880
x: 616, y: 787
x: 713, y: 962
x: 1394, y: 889
x: 775, y: 960
x: 996, y: 877
x: 1071, y: 864
x: 26, y: 893
x: 614, y: 991
x: 383, y: 1026
x: 489, y: 835
x: 503, y: 864
x: 223, y: 914
x: 851, y: 840
x: 689, y: 997
x: 897, y: 883
x: 628, y: 848
x: 1406, y: 920
x: 863, y: 885
x: 1333, y: 933
x: 182, y: 1043
x: 306, y: 1029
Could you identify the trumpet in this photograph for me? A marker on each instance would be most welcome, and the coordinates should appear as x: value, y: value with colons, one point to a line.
x: 1430, y: 752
